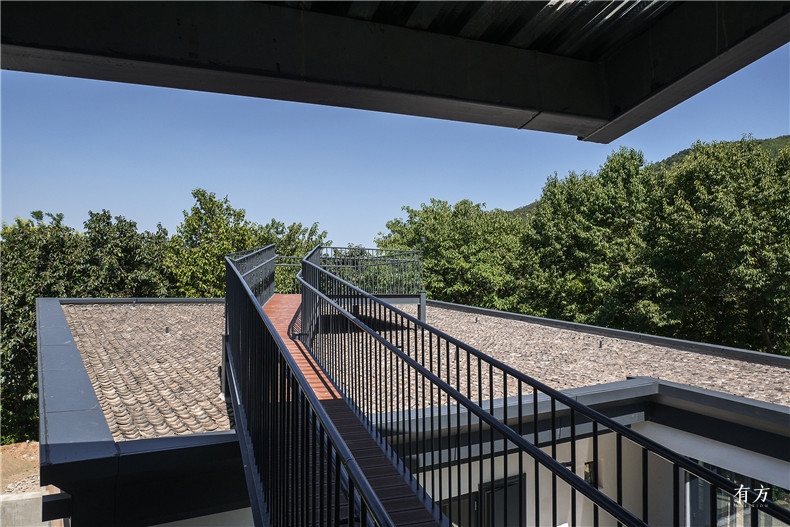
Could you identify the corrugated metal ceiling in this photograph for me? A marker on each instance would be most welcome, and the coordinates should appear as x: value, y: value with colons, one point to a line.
x: 586, y: 30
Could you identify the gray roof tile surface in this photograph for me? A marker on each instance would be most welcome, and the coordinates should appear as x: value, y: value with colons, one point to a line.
x: 565, y: 359
x: 153, y: 365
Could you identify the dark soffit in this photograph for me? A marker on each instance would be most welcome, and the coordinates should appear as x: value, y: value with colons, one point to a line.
x: 592, y: 69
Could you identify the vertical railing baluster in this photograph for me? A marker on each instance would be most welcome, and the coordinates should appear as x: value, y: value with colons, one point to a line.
x: 645, y: 479
x: 554, y: 455
x: 573, y: 466
x: 522, y: 491
x: 619, y: 470
x: 536, y: 442
x: 676, y: 495
x: 595, y: 467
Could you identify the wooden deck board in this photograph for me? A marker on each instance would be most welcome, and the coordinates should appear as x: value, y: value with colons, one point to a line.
x: 398, y: 499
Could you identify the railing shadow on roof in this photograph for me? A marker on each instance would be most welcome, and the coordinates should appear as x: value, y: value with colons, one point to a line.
x: 419, y: 390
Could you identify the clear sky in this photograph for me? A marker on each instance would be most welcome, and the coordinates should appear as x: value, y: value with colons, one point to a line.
x: 73, y: 145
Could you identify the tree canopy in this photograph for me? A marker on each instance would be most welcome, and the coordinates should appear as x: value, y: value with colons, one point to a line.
x: 696, y: 249
x: 469, y: 254
x: 719, y: 245
x: 42, y: 257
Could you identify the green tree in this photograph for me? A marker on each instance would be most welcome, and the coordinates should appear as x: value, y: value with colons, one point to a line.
x: 294, y: 241
x: 720, y: 245
x: 582, y: 248
x: 211, y: 229
x: 470, y: 255
x: 122, y: 262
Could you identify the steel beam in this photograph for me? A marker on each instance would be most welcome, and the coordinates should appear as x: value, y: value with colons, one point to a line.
x: 259, y: 50
x: 695, y: 46
x: 272, y: 51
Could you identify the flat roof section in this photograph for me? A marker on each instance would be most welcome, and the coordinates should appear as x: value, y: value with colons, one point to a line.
x: 153, y: 364
x: 564, y: 359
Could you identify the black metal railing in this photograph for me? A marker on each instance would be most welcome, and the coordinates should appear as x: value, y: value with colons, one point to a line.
x: 384, y: 272
x: 256, y: 269
x: 299, y: 471
x: 286, y: 269
x: 436, y: 435
x: 440, y: 408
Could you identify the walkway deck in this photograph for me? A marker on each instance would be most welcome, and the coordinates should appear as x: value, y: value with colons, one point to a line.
x: 396, y: 496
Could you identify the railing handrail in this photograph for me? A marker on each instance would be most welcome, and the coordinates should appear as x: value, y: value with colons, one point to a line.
x: 687, y: 464
x: 347, y: 458
x: 369, y: 250
x: 241, y: 256
x: 605, y: 502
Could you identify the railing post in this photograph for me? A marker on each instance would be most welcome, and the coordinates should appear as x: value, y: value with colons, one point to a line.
x: 421, y: 308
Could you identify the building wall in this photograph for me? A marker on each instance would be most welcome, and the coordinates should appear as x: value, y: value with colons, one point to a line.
x: 505, y: 468
x: 475, y: 477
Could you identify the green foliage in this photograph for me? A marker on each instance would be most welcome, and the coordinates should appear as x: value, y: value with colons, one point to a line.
x: 210, y: 230
x: 720, y: 245
x: 772, y: 146
x: 213, y: 229
x: 470, y: 255
x: 291, y: 243
x: 526, y: 211
x: 583, y: 242
x: 294, y: 239
x: 698, y: 250
x: 121, y: 262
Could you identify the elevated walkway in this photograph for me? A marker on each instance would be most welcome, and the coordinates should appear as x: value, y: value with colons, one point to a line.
x: 391, y: 422
x: 397, y: 497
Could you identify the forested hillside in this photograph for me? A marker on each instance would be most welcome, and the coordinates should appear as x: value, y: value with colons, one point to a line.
x: 42, y: 257
x: 772, y: 146
x: 697, y: 249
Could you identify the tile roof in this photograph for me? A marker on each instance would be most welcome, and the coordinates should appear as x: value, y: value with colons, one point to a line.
x: 153, y: 365
x: 565, y: 359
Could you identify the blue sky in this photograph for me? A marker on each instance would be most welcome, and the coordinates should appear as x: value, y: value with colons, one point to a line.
x: 73, y: 145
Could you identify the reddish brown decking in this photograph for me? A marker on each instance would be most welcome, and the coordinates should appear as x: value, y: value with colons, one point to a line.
x: 396, y: 496
x: 281, y: 310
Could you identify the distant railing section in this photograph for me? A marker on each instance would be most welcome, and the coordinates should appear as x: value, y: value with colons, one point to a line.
x: 421, y: 391
x: 384, y: 272
x: 299, y: 471
x: 256, y: 269
x: 437, y: 436
x: 286, y: 269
